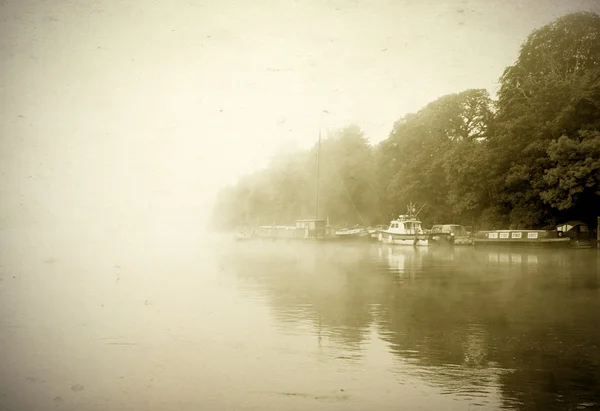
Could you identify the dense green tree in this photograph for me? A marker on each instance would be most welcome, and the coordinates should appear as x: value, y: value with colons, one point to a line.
x: 430, y: 155
x: 527, y: 160
x: 552, y: 90
x: 572, y: 182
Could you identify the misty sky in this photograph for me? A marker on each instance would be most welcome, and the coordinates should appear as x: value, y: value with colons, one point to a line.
x: 126, y: 111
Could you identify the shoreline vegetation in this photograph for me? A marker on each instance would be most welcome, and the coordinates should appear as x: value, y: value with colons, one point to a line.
x: 529, y: 159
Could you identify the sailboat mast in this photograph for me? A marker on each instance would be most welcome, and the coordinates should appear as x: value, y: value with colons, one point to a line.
x: 318, y: 171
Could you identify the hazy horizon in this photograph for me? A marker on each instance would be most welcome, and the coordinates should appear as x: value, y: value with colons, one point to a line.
x: 130, y: 114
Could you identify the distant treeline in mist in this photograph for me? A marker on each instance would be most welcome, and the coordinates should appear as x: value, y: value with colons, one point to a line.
x: 530, y: 158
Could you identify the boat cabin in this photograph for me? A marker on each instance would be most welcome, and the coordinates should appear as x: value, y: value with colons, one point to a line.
x: 574, y: 228
x: 312, y: 228
x: 456, y: 229
x: 405, y: 225
x: 577, y: 231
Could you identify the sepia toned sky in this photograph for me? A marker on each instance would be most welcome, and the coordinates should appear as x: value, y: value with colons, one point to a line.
x: 125, y: 111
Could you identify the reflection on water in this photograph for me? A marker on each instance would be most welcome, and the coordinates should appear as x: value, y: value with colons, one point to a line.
x: 182, y: 323
x: 511, y: 328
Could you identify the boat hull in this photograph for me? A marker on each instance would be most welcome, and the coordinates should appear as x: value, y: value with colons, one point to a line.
x: 547, y: 243
x: 402, y: 239
x: 449, y: 234
x: 444, y: 239
x: 352, y: 235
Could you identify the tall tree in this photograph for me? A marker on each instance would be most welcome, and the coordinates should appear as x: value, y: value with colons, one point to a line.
x: 550, y: 91
x: 428, y: 155
x: 348, y: 193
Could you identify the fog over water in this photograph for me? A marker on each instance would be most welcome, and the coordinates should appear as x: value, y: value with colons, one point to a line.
x: 188, y: 323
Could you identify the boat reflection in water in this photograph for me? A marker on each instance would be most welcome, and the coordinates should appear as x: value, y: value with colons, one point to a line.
x: 404, y: 261
x: 513, y: 329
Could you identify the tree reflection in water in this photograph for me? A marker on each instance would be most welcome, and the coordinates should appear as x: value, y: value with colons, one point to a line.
x: 464, y: 319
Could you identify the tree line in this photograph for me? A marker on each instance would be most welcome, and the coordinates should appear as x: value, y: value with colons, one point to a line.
x: 528, y: 159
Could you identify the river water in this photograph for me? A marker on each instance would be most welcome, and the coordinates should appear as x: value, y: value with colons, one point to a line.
x: 97, y: 321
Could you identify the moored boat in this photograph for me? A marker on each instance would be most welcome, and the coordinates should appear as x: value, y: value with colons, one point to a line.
x: 406, y: 230
x: 311, y: 229
x: 521, y: 237
x: 573, y: 234
x: 374, y: 232
x: 452, y: 234
x: 360, y: 234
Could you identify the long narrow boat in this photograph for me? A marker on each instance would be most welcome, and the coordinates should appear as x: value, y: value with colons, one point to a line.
x: 310, y: 229
x: 573, y: 234
x: 530, y: 238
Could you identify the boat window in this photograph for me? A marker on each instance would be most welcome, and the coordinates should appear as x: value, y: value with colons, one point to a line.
x: 458, y: 230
